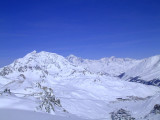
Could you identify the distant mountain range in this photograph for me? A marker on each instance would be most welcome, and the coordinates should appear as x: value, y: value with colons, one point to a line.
x: 147, y: 69
x: 79, y: 85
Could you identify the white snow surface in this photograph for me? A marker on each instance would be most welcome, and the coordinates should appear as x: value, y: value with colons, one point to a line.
x: 111, y: 66
x: 15, y: 114
x: 89, y: 89
x: 148, y: 69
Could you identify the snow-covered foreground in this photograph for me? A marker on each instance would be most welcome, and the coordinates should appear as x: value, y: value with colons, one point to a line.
x: 92, y: 100
x: 78, y: 88
x: 14, y: 114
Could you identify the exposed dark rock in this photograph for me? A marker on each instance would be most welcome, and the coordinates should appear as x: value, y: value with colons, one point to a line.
x: 22, y: 76
x: 45, y: 71
x: 5, y: 71
x: 154, y: 82
x: 121, y: 75
x: 49, y: 101
x: 131, y: 98
x: 43, y: 76
x: 37, y: 67
x: 121, y: 115
x: 103, y: 73
x: 156, y: 109
x: 7, y: 91
x: 22, y: 69
x: 122, y: 99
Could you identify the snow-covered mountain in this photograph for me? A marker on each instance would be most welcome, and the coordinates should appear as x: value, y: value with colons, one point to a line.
x: 146, y: 72
x: 92, y: 89
x: 110, y: 66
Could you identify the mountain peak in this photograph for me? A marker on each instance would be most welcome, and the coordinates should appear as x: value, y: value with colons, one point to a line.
x: 73, y: 59
x: 32, y: 53
x: 43, y: 54
x: 71, y: 56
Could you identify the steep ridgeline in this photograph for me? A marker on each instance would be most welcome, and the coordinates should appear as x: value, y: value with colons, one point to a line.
x: 146, y: 72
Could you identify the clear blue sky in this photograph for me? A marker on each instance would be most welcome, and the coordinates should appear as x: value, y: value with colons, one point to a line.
x: 86, y: 28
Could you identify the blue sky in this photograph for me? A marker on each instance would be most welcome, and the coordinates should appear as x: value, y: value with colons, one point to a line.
x: 86, y: 28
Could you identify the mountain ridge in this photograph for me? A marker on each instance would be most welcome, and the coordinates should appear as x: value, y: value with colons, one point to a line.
x: 92, y: 89
x: 111, y: 66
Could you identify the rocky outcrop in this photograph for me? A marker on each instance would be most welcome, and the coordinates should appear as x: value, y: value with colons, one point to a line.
x: 156, y: 109
x: 154, y: 82
x: 48, y: 101
x: 5, y: 71
x: 121, y: 115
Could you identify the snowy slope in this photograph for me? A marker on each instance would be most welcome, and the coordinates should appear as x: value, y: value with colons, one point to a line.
x: 147, y: 71
x: 90, y: 100
x: 43, y: 63
x: 85, y: 88
x: 14, y: 114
